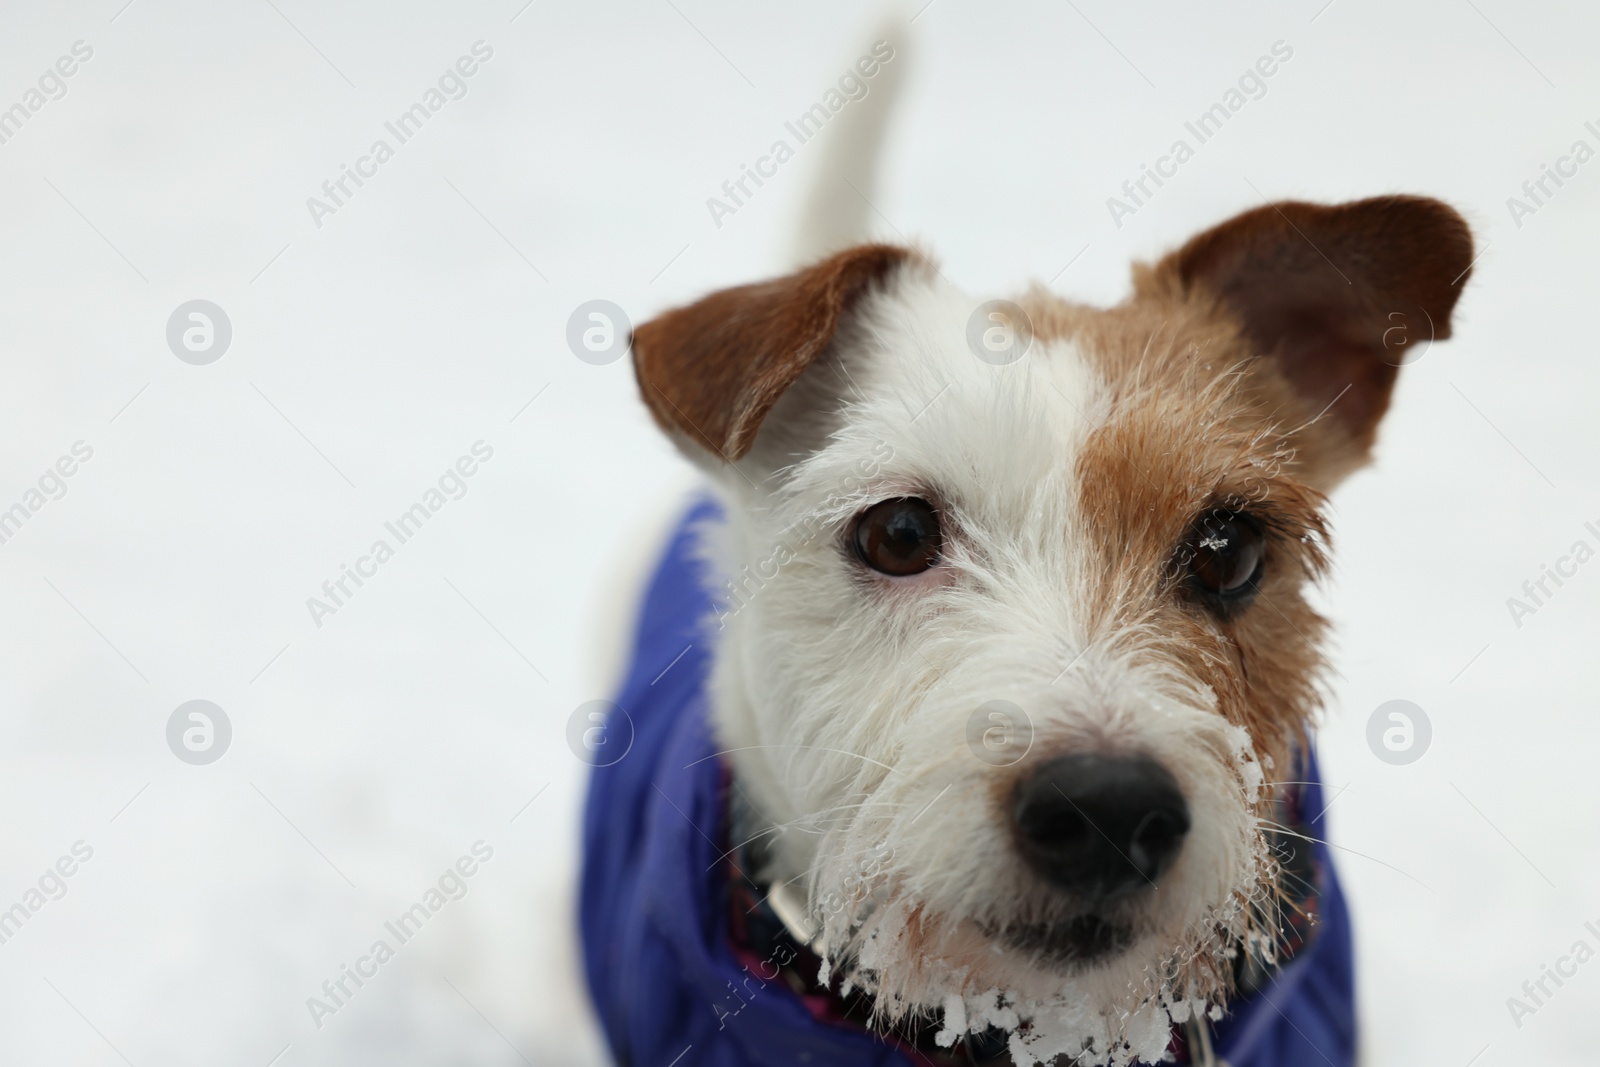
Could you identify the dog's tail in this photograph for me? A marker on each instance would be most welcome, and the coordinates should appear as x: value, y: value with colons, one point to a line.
x: 840, y: 208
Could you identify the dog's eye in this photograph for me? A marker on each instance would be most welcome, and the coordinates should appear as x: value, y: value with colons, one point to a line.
x: 1227, y: 554
x: 899, y: 536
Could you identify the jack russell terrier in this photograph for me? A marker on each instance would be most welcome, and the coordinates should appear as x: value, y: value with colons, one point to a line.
x: 970, y: 722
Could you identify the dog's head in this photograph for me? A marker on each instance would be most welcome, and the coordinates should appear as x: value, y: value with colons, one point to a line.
x: 1014, y: 639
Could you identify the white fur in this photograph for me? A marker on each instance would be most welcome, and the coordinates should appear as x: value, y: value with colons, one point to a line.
x: 843, y: 702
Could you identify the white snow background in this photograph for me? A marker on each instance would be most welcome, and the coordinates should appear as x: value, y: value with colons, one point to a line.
x: 371, y: 752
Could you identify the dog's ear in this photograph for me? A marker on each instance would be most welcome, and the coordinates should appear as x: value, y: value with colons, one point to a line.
x: 710, y: 372
x: 1337, y: 297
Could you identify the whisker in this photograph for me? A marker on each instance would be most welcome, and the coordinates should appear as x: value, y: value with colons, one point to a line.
x: 1353, y: 852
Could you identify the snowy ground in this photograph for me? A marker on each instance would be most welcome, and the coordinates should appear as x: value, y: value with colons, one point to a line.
x: 368, y: 353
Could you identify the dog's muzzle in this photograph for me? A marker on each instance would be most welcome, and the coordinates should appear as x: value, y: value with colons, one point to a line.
x: 1100, y: 827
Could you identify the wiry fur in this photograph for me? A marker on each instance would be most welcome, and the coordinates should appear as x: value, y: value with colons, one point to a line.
x: 1248, y: 371
x: 1066, y: 484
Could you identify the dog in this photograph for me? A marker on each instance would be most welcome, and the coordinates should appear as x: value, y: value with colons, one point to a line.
x: 971, y: 721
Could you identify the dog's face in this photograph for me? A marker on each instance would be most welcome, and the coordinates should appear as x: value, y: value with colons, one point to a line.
x: 1012, y: 651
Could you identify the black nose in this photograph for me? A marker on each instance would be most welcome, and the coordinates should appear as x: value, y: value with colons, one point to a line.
x: 1101, y: 826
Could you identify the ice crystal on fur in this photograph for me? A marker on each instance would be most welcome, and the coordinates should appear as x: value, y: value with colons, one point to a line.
x: 918, y: 962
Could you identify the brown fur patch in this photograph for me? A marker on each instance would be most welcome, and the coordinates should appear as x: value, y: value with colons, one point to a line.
x: 1228, y: 349
x: 1333, y: 295
x: 711, y: 371
x: 1186, y: 437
